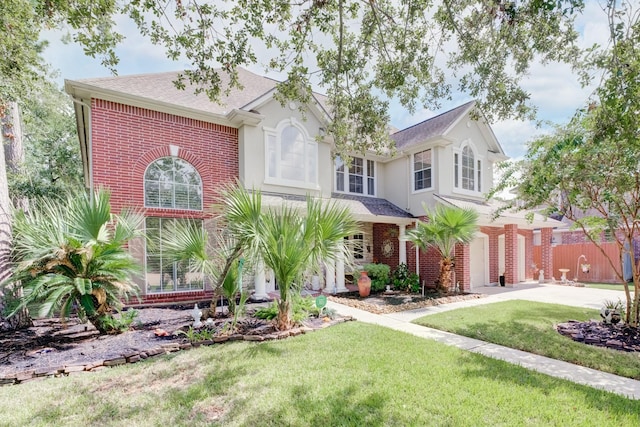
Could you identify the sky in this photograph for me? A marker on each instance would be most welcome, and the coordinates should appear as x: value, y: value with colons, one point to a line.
x: 554, y: 89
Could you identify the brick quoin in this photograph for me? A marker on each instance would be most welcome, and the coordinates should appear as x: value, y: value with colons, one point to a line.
x: 462, y: 267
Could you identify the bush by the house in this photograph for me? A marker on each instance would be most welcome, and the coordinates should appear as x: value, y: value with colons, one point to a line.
x: 379, y: 275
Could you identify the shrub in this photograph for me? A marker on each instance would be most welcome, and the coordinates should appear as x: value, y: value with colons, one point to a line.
x: 379, y: 275
x: 403, y: 280
x: 303, y: 307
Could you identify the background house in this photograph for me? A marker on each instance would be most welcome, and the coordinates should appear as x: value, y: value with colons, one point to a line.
x: 165, y: 151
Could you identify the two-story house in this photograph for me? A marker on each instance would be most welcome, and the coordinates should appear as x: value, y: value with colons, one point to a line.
x: 165, y: 151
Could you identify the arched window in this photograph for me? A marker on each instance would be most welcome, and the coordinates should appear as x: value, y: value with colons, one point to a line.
x: 467, y: 169
x: 292, y: 156
x: 172, y: 183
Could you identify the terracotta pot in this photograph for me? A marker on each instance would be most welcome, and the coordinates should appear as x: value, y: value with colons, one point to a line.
x: 364, y: 284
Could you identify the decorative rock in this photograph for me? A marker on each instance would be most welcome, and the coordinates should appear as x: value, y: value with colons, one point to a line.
x: 115, y: 362
x: 221, y: 339
x: 295, y: 332
x: 133, y: 359
x: 236, y: 337
x: 73, y: 368
x: 282, y: 334
x: 253, y: 338
x: 21, y: 376
x: 47, y: 372
x: 155, y: 351
x: 270, y: 337
x: 185, y: 346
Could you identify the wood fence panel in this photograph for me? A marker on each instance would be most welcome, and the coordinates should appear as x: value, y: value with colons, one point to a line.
x: 566, y: 256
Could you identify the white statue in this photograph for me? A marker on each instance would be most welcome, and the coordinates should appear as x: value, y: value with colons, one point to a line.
x: 196, y: 313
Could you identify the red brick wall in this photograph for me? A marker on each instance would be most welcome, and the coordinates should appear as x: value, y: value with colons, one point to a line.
x: 126, y: 139
x: 382, y: 232
x: 493, y: 233
x: 462, y: 268
x: 511, y: 253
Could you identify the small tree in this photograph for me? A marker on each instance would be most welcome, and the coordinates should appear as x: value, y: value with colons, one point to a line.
x: 445, y: 227
x: 289, y: 241
x: 70, y: 254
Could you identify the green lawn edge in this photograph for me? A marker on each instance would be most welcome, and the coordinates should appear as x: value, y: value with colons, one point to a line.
x: 352, y: 374
x: 530, y: 326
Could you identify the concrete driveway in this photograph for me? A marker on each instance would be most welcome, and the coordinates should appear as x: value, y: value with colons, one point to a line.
x: 555, y: 294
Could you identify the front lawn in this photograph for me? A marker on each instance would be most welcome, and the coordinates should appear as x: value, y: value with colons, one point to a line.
x: 351, y: 374
x: 529, y: 326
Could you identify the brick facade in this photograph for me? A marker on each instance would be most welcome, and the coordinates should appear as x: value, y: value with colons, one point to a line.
x: 126, y: 139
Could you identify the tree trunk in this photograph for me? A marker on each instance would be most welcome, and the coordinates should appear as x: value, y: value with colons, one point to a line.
x: 283, y: 320
x: 444, y: 284
x: 10, y: 132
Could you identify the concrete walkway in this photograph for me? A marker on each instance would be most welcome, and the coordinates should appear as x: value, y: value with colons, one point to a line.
x: 579, y: 297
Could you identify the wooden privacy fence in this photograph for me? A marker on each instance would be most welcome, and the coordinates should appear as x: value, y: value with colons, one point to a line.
x: 566, y: 256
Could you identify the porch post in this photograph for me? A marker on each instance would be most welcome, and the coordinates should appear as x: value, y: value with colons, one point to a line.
x: 417, y: 261
x: 402, y: 244
x: 511, y: 254
x: 259, y: 282
x: 546, y: 234
x: 330, y: 277
x: 340, y: 275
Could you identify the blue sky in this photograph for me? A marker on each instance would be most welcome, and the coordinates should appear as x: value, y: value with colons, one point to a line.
x: 554, y: 88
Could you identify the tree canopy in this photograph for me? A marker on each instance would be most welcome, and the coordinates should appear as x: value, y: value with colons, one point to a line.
x: 588, y: 170
x: 360, y: 53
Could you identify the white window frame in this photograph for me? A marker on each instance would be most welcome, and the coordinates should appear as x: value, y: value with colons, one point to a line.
x: 171, y: 285
x: 172, y: 182
x: 478, y: 172
x: 367, y: 165
x: 413, y: 172
x: 310, y: 154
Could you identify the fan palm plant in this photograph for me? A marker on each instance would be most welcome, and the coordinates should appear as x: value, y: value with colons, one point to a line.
x: 287, y: 240
x: 70, y: 254
x: 445, y: 227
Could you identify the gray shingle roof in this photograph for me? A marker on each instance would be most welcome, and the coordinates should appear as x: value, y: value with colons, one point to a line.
x: 159, y: 87
x: 375, y: 206
x: 435, y: 126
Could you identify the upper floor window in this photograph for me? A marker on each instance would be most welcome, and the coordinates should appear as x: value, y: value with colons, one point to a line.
x: 467, y: 169
x: 172, y: 183
x: 422, y: 170
x: 291, y: 156
x: 358, y: 178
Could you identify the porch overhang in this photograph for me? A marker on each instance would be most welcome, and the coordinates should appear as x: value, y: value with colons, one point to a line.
x: 526, y: 220
x: 373, y: 210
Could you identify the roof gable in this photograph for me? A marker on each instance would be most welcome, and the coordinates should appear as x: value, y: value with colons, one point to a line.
x: 430, y: 128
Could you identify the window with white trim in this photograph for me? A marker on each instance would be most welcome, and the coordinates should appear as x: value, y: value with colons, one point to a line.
x: 164, y: 275
x: 355, y: 244
x: 467, y: 169
x: 360, y: 178
x: 422, y: 170
x: 291, y: 155
x: 172, y: 183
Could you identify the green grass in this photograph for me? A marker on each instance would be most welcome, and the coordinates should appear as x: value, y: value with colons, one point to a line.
x: 608, y: 286
x: 351, y: 374
x: 529, y: 326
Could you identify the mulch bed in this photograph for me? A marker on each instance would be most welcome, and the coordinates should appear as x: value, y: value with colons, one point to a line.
x: 392, y: 302
x: 52, y: 349
x: 617, y: 337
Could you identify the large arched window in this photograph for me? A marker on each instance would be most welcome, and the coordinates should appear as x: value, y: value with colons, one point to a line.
x: 467, y: 169
x: 291, y: 155
x: 172, y: 183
